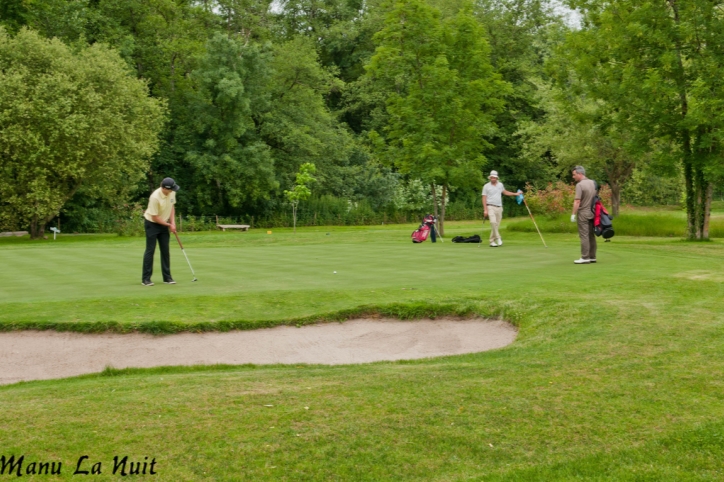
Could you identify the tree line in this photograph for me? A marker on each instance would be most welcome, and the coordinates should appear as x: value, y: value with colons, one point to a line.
x: 99, y: 100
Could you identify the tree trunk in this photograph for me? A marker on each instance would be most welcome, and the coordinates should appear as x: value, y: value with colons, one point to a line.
x: 221, y: 194
x: 37, y: 228
x: 442, y: 211
x: 151, y: 184
x: 434, y: 199
x: 615, y: 198
x: 294, y: 216
x: 701, y: 188
x: 690, y: 192
x: 709, y: 194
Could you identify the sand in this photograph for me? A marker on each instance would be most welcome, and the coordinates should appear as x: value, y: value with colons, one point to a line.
x: 40, y: 355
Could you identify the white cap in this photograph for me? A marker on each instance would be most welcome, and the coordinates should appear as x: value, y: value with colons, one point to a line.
x: 493, y: 174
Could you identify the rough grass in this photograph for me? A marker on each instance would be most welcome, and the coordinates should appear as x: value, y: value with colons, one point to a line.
x: 616, y: 373
x: 653, y: 224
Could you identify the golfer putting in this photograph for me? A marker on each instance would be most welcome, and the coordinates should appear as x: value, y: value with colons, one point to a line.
x: 160, y: 221
x: 493, y: 206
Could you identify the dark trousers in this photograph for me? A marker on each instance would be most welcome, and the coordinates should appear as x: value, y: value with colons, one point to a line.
x: 156, y: 232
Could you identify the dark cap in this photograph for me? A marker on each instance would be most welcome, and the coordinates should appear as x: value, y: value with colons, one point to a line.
x: 169, y: 183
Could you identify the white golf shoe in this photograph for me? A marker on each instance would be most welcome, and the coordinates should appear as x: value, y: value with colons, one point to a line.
x: 493, y: 245
x: 582, y: 261
x: 500, y: 241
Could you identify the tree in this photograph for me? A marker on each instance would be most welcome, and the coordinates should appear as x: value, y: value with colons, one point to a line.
x: 442, y: 94
x: 659, y: 66
x: 522, y: 35
x: 232, y: 164
x: 577, y: 130
x: 69, y: 119
x: 301, y: 191
x: 298, y: 126
x: 13, y: 14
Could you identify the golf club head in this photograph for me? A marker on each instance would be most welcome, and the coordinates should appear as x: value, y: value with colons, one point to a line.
x: 195, y: 279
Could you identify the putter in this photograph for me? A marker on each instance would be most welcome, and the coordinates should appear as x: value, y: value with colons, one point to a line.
x: 480, y: 244
x: 187, y: 258
x: 534, y: 224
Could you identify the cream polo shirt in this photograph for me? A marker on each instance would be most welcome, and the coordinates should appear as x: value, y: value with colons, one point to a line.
x: 493, y: 193
x: 160, y: 205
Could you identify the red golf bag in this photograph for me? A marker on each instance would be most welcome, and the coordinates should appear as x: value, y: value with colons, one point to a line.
x: 602, y: 225
x: 427, y: 227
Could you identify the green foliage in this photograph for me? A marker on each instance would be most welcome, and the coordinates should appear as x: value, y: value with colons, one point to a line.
x: 580, y: 131
x: 522, y: 34
x: 232, y: 163
x: 13, y: 14
x: 647, y: 188
x: 442, y: 94
x: 70, y: 120
x: 301, y: 191
x: 655, y: 65
x: 414, y: 195
x: 298, y: 126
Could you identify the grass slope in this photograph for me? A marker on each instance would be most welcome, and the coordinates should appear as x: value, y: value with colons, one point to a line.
x: 616, y: 373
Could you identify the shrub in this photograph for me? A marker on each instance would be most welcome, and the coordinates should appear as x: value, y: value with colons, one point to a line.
x: 558, y: 198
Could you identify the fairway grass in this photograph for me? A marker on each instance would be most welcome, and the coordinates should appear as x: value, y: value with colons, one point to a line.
x: 616, y: 374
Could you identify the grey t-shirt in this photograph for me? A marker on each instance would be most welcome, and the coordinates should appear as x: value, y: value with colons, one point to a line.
x: 585, y: 191
x: 493, y: 193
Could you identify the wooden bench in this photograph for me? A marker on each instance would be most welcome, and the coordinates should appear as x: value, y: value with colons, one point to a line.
x: 13, y: 233
x: 224, y: 227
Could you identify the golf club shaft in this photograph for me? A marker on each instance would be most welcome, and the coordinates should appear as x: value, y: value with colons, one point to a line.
x: 189, y: 262
x: 184, y: 252
x: 483, y: 230
x: 179, y: 241
x: 534, y: 223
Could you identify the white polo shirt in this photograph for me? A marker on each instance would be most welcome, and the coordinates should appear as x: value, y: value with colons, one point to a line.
x: 160, y: 205
x: 494, y: 193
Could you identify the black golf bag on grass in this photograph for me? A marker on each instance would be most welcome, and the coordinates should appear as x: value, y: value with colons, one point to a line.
x: 462, y: 239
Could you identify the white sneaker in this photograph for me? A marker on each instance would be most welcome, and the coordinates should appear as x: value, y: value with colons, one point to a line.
x: 500, y: 242
x: 592, y: 260
x: 582, y: 261
x: 493, y: 245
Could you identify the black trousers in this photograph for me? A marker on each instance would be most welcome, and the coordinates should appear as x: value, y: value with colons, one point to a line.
x: 156, y: 232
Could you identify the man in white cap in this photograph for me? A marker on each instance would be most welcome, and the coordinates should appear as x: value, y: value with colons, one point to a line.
x: 493, y: 206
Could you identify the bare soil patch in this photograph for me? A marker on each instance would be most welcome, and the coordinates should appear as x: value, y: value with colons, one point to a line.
x: 39, y: 355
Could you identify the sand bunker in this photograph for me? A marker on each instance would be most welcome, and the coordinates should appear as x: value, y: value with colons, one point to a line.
x: 39, y: 355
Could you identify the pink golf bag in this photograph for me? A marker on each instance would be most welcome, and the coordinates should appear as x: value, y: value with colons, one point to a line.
x: 421, y: 234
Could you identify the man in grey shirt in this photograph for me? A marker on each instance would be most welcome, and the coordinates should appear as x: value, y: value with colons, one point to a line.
x: 585, y: 192
x: 493, y: 206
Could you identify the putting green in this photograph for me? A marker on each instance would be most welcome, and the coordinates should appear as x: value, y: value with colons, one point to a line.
x: 255, y: 276
x: 616, y: 373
